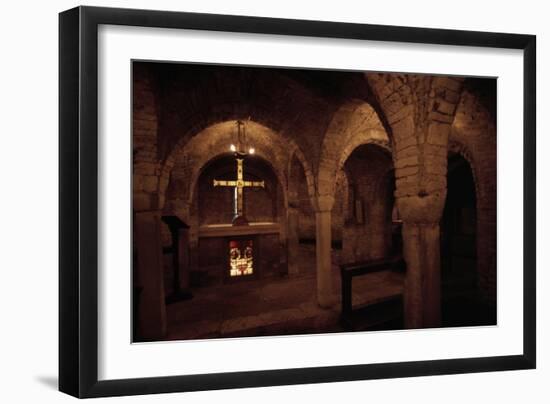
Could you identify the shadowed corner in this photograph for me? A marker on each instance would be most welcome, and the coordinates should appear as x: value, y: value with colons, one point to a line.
x: 48, y: 381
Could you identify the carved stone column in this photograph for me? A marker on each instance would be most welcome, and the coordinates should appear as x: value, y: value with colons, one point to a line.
x: 323, y: 206
x: 422, y: 295
x: 420, y: 110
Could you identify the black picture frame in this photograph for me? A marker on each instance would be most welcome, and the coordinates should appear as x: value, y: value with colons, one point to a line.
x: 78, y: 201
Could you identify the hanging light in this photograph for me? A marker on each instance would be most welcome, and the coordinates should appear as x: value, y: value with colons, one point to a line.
x: 241, y: 146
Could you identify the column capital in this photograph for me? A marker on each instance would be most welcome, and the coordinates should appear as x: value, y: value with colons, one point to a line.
x: 323, y: 203
x: 421, y: 209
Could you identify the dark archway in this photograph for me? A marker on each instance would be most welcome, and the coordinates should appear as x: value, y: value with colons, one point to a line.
x: 461, y: 298
x: 367, y: 232
x: 458, y: 225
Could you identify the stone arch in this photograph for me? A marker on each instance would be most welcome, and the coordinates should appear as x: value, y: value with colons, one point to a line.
x: 459, y: 248
x: 190, y: 155
x: 278, y: 174
x: 183, y: 170
x: 256, y: 166
x: 360, y: 141
x: 297, y: 164
x: 420, y: 110
x: 473, y: 135
x: 200, y: 119
x: 367, y: 233
x: 275, y: 98
x: 353, y: 124
x: 459, y: 148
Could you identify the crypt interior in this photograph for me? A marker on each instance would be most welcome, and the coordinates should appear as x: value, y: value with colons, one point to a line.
x: 272, y: 201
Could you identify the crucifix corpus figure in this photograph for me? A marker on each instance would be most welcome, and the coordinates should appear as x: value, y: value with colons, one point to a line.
x: 239, y: 218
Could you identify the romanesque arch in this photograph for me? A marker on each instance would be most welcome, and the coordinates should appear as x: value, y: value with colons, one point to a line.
x: 456, y: 147
x: 189, y: 157
x: 473, y: 135
x: 367, y: 229
x: 353, y: 124
x: 272, y: 98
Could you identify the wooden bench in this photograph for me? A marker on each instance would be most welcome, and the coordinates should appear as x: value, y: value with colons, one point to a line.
x: 373, y: 315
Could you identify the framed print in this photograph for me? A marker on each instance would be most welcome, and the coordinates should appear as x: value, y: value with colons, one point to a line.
x: 251, y: 201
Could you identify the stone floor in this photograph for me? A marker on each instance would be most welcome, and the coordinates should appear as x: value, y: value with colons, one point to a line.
x: 275, y: 306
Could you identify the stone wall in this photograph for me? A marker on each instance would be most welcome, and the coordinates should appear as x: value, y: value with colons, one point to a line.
x: 367, y: 230
x: 217, y: 203
x: 340, y: 210
x: 302, y: 202
x: 271, y: 98
x: 146, y: 167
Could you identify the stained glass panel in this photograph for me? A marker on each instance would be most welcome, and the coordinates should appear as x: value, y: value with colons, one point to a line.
x: 241, y: 258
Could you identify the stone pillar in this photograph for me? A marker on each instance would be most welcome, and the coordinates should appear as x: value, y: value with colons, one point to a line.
x: 420, y: 111
x: 323, y: 240
x: 152, y: 307
x: 293, y: 244
x: 145, y: 123
x: 423, y: 281
x: 422, y: 296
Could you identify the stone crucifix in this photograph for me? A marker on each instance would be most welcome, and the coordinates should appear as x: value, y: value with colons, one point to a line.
x: 239, y: 218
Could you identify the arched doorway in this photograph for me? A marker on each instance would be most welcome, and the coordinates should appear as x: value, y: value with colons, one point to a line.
x: 214, y: 206
x: 367, y: 226
x: 461, y: 298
